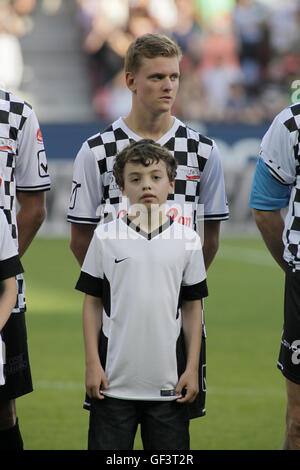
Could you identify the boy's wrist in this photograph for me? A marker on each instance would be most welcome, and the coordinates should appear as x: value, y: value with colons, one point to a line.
x: 94, y: 361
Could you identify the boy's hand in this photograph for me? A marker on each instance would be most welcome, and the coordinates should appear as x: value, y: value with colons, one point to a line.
x: 95, y: 380
x: 189, y: 382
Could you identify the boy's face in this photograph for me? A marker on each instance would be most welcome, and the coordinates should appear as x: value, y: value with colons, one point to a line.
x: 155, y: 84
x: 147, y: 185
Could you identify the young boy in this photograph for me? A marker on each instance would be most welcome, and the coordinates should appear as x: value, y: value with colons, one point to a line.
x: 10, y: 266
x: 137, y: 270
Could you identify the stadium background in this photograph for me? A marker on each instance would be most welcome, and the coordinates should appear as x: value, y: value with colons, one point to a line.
x: 241, y: 65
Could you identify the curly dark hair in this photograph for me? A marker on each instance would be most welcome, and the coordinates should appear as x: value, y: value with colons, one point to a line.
x: 146, y: 152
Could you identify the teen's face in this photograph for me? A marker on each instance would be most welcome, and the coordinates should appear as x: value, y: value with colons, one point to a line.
x: 147, y: 185
x: 155, y: 84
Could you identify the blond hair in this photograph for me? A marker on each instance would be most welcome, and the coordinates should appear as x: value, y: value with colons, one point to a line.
x: 150, y: 46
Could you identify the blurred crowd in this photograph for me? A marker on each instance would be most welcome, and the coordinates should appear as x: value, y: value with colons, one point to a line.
x: 240, y: 57
x: 15, y: 21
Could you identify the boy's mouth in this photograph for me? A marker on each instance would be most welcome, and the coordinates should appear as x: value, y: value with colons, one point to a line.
x: 147, y: 196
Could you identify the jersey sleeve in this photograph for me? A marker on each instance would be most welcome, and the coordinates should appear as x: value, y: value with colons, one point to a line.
x: 267, y: 193
x: 86, y: 192
x: 31, y: 163
x: 91, y: 276
x: 277, y: 152
x: 194, y: 284
x: 212, y: 188
x: 10, y: 264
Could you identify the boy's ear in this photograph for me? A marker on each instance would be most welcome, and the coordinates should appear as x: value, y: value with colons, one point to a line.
x: 123, y: 192
x: 130, y: 81
x: 172, y: 185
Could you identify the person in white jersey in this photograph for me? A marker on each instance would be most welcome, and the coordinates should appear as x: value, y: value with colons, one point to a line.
x: 152, y: 75
x: 144, y: 279
x: 276, y: 185
x: 10, y: 266
x: 24, y: 177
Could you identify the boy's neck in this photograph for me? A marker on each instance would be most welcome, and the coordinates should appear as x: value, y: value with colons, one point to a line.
x: 151, y: 219
x: 151, y: 126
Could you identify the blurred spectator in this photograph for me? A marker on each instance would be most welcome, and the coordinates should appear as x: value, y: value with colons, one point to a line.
x: 13, y: 15
x: 239, y: 56
x: 250, y: 27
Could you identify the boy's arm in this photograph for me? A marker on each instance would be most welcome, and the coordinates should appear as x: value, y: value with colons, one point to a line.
x: 92, y: 322
x: 7, y: 300
x: 271, y: 226
x: 31, y: 215
x: 81, y: 236
x: 192, y: 327
x: 211, y: 241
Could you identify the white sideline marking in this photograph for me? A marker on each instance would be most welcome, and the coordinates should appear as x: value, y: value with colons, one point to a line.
x: 246, y: 255
x: 48, y: 385
x: 58, y: 385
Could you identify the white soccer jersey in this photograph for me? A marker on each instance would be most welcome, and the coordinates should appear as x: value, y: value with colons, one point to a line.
x: 10, y: 266
x: 23, y: 164
x: 280, y: 150
x: 140, y: 278
x: 199, y: 177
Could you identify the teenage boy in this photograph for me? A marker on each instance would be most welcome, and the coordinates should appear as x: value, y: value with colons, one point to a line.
x: 24, y: 175
x: 275, y: 186
x: 136, y: 269
x: 152, y: 76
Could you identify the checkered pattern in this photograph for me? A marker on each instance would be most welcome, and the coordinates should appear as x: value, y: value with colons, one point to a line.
x: 281, y: 153
x: 19, y: 168
x: 191, y: 150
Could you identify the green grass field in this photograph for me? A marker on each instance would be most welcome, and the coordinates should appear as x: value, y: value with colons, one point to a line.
x: 245, y: 391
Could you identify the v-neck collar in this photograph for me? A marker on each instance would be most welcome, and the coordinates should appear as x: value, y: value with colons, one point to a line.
x: 151, y: 235
x: 163, y: 139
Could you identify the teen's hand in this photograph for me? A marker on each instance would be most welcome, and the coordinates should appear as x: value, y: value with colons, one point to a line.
x: 188, y: 384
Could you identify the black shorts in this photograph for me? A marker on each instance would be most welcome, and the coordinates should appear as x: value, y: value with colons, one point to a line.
x: 17, y: 372
x: 289, y: 356
x: 114, y: 422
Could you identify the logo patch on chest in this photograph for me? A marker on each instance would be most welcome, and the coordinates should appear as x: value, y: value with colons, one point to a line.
x: 193, y: 174
x: 6, y: 145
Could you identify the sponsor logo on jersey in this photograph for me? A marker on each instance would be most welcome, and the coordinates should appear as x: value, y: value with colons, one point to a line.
x: 193, y: 174
x: 120, y: 260
x: 6, y: 145
x: 39, y: 137
x: 168, y: 393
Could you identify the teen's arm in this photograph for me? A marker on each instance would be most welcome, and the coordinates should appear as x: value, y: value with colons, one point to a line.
x: 192, y: 328
x: 81, y: 235
x: 31, y: 215
x: 211, y: 241
x: 7, y: 300
x: 271, y: 225
x: 92, y: 321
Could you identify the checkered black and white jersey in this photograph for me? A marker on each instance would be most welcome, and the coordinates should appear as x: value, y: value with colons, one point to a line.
x: 280, y: 150
x: 199, y: 179
x: 10, y: 266
x: 23, y: 164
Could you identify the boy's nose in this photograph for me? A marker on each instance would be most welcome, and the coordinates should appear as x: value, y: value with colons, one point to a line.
x: 167, y: 83
x: 146, y: 184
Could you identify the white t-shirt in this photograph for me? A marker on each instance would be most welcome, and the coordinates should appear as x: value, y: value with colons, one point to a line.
x: 140, y: 279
